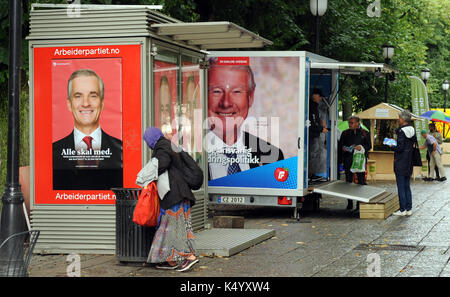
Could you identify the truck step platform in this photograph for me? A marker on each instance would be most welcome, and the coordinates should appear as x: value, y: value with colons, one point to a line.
x: 380, y: 207
x: 341, y: 189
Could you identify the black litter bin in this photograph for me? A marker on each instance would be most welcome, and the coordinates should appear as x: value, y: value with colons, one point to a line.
x: 133, y: 242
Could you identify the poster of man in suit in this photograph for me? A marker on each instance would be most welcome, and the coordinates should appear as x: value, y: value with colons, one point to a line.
x: 87, y: 131
x: 250, y: 114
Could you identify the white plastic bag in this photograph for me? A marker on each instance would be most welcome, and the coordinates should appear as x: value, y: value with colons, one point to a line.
x: 150, y: 173
x: 163, y: 184
x: 359, y: 161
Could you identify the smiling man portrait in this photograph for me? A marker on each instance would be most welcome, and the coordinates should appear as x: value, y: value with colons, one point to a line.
x: 231, y: 91
x: 88, y: 158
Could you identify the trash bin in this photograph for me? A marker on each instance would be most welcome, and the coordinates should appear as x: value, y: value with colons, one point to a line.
x: 133, y: 242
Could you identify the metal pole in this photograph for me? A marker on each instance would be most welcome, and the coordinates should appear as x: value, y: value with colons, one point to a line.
x: 316, y: 50
x: 12, y: 217
x: 445, y: 111
x: 445, y: 101
x: 386, y: 88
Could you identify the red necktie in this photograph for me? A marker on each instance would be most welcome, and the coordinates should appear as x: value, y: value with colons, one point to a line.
x: 88, y: 141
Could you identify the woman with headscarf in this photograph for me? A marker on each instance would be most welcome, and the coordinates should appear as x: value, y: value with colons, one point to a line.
x: 173, y: 245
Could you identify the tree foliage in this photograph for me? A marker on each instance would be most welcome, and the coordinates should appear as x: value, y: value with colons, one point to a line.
x: 418, y: 29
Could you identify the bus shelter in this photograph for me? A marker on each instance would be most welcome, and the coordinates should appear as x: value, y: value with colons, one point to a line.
x: 151, y: 68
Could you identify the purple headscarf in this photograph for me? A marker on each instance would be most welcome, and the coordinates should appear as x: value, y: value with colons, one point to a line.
x: 151, y: 136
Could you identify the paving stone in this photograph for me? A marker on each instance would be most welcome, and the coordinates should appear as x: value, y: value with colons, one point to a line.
x: 228, y: 222
x: 326, y: 243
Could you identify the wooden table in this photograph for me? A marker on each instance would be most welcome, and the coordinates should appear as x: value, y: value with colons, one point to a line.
x: 384, y: 164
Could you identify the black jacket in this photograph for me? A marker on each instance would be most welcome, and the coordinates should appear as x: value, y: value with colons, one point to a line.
x: 106, y: 175
x: 404, y: 150
x: 353, y: 137
x: 264, y: 151
x: 316, y: 125
x: 169, y: 160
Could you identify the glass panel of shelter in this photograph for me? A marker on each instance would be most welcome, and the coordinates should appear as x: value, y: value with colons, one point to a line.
x: 190, y: 113
x: 165, y: 91
x: 177, y: 97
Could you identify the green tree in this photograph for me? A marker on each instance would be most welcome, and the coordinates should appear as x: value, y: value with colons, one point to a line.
x: 418, y: 29
x: 438, y: 45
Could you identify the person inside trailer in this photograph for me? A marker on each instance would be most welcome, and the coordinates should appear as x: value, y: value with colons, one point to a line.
x: 316, y: 142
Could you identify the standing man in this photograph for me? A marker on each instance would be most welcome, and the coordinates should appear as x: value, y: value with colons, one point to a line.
x: 231, y: 91
x: 438, y: 137
x: 318, y: 126
x: 88, y: 158
x: 435, y: 156
x: 354, y: 138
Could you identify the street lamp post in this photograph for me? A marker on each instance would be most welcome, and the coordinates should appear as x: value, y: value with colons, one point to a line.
x: 318, y: 9
x: 425, y: 75
x: 12, y: 216
x: 445, y: 88
x: 388, y: 52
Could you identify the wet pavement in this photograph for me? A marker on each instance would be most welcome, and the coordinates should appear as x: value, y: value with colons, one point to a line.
x: 332, y: 243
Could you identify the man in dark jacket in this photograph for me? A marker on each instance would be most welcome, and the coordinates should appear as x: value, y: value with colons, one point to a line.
x: 438, y: 136
x: 354, y: 138
x: 403, y: 166
x: 318, y: 126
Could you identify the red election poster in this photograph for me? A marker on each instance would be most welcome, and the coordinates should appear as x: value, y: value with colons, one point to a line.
x: 87, y: 137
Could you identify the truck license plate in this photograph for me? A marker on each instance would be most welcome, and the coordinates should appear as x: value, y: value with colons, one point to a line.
x: 231, y: 200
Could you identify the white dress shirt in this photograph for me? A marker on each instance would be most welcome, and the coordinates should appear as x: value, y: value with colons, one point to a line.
x: 80, y: 145
x: 216, y: 147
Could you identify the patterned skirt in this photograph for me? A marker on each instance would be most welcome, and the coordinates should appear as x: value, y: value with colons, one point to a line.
x: 174, y: 239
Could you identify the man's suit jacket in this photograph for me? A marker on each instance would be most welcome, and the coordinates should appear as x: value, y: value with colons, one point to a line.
x: 104, y: 175
x: 264, y: 151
